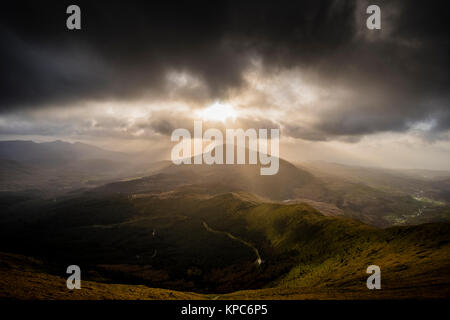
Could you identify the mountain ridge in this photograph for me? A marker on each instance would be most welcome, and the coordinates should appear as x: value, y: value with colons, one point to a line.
x: 303, y: 252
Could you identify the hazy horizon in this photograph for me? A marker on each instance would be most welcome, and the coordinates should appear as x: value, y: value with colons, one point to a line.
x: 163, y: 154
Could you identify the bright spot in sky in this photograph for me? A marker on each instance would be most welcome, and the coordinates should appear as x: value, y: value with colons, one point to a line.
x: 218, y: 112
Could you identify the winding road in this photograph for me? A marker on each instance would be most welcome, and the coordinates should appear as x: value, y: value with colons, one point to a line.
x: 229, y: 235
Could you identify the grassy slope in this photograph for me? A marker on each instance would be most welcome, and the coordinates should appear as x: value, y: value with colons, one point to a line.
x: 25, y: 278
x: 306, y: 255
x: 331, y: 254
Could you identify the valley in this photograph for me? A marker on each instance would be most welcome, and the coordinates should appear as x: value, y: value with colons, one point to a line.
x: 227, y: 232
x: 301, y: 249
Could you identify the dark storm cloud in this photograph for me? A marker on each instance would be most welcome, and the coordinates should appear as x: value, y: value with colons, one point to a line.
x: 123, y: 50
x: 398, y: 76
x: 133, y: 44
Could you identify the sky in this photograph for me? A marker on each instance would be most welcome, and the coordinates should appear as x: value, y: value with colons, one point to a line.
x: 137, y: 70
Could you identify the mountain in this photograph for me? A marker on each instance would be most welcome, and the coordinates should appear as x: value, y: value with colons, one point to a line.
x: 58, y: 167
x: 222, y: 231
x: 382, y: 197
x: 53, y: 153
x: 231, y: 245
x: 379, y: 197
x: 413, y: 182
x: 371, y: 197
x: 220, y: 178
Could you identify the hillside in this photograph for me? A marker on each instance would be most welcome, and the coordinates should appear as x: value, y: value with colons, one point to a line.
x: 160, y: 240
x: 53, y: 153
x: 332, y: 194
x: 58, y: 167
x: 222, y: 178
x: 25, y: 278
x: 222, y: 231
x: 376, y: 196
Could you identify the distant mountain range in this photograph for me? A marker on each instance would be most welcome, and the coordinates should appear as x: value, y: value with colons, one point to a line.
x: 309, y: 231
x: 58, y: 167
x: 54, y: 153
x: 380, y: 197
